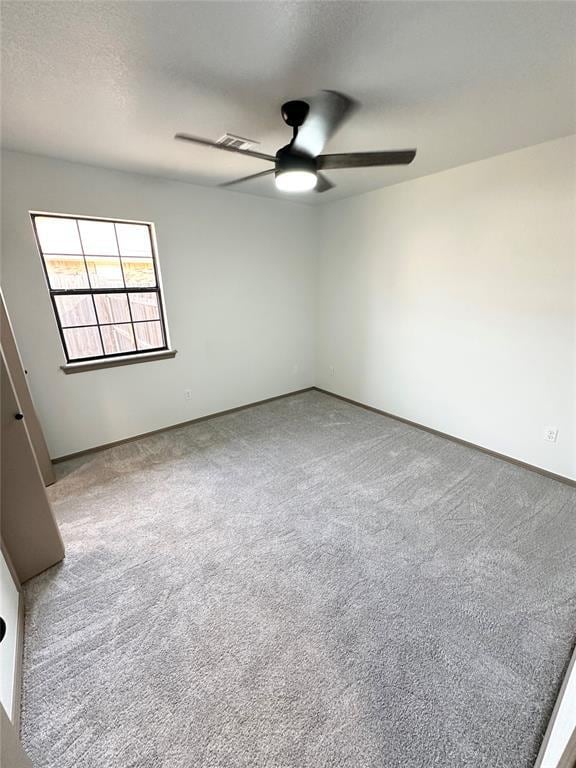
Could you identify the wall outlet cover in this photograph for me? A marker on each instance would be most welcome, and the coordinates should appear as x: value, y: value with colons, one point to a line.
x: 551, y: 434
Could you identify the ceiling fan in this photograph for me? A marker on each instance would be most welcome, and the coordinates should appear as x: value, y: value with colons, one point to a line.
x: 298, y: 166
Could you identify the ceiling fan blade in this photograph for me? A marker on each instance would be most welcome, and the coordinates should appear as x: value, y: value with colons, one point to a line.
x: 215, y: 145
x: 323, y: 184
x: 247, y: 178
x: 366, y: 159
x: 328, y: 110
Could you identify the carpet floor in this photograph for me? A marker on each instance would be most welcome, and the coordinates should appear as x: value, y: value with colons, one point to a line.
x: 302, y: 584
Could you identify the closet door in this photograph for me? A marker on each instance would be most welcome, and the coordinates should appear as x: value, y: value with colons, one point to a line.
x: 29, y: 530
x: 558, y: 748
x: 18, y: 374
x: 11, y: 753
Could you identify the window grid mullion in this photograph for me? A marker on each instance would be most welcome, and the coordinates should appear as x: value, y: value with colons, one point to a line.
x: 80, y: 291
x: 98, y: 324
x: 94, y: 255
x: 91, y: 294
x: 117, y: 322
x: 125, y: 287
x: 84, y: 260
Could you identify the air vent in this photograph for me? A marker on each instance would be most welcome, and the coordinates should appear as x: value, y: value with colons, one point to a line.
x: 237, y: 142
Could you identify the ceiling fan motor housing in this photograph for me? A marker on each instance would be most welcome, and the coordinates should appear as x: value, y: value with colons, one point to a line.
x: 288, y: 160
x: 295, y: 112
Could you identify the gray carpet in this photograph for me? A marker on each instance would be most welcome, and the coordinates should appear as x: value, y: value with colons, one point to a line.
x: 303, y: 584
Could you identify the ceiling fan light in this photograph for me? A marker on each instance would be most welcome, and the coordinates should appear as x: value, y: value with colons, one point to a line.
x: 296, y: 181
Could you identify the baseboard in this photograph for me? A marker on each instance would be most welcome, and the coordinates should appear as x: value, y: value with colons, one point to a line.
x: 131, y: 439
x: 431, y: 430
x: 460, y: 441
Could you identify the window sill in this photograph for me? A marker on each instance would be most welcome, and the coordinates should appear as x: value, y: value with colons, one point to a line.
x: 112, y: 362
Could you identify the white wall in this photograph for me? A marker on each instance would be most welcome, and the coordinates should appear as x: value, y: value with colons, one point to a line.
x: 238, y: 277
x: 451, y: 301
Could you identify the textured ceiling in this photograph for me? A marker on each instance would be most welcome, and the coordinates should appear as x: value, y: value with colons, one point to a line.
x: 110, y: 83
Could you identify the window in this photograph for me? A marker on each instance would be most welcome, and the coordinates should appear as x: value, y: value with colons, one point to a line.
x: 103, y: 281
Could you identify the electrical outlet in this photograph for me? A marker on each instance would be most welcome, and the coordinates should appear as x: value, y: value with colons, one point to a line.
x: 551, y: 434
x: 187, y: 394
x: 331, y: 369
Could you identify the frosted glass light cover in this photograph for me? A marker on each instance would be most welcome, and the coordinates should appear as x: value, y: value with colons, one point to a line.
x: 296, y: 181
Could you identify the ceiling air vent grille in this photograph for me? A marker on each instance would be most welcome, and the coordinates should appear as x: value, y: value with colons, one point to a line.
x: 237, y: 142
